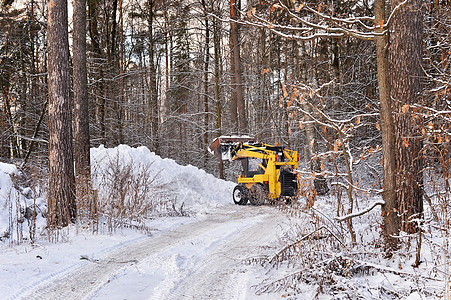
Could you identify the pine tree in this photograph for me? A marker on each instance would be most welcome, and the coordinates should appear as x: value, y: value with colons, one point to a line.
x: 61, y: 197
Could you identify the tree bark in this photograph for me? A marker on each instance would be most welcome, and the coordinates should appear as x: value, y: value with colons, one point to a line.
x: 217, y: 48
x: 96, y: 49
x: 153, y: 93
x: 81, y: 111
x: 236, y: 73
x: 61, y: 198
x: 80, y: 81
x: 389, y: 210
x: 206, y: 66
x: 406, y: 36
x: 232, y: 43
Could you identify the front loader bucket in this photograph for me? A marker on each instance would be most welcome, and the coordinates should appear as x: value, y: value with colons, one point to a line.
x: 222, y: 146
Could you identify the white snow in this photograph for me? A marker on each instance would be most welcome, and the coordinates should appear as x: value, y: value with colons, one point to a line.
x: 195, y: 188
x: 180, y: 257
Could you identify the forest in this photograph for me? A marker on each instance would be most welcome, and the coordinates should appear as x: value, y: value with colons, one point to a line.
x: 360, y: 88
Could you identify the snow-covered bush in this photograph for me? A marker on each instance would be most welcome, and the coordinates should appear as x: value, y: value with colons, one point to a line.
x: 21, y: 211
x: 129, y: 189
x: 317, y: 260
x: 135, y: 184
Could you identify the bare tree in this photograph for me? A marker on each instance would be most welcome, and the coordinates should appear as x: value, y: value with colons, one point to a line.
x: 324, y: 25
x: 61, y: 197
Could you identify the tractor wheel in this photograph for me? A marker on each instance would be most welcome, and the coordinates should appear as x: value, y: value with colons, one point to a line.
x: 240, y: 195
x: 257, y: 194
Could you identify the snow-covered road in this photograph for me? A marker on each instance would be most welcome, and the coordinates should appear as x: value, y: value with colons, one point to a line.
x: 198, y: 260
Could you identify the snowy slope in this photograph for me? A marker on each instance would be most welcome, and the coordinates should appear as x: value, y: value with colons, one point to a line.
x: 196, y: 189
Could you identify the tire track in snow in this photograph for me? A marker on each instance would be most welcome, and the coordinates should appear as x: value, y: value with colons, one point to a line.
x: 222, y: 274
x: 212, y: 273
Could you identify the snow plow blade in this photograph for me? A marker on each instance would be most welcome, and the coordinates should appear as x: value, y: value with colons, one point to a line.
x: 222, y: 146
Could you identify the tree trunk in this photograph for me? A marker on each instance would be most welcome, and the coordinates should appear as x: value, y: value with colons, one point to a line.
x: 406, y: 35
x: 206, y: 65
x: 95, y: 45
x: 81, y: 110
x: 61, y: 198
x: 389, y: 210
x: 153, y: 94
x: 217, y: 48
x: 233, y: 84
x: 236, y: 73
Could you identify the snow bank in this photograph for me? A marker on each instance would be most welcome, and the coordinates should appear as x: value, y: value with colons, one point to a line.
x: 194, y: 188
x: 16, y: 205
x: 189, y: 186
x: 6, y: 191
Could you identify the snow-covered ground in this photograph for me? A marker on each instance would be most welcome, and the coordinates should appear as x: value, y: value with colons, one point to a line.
x: 153, y: 264
x: 216, y: 251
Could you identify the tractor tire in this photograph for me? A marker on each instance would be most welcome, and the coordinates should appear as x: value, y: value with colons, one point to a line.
x: 257, y: 194
x: 240, y: 195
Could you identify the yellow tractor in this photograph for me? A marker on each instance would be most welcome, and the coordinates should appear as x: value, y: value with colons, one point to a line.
x: 269, y: 171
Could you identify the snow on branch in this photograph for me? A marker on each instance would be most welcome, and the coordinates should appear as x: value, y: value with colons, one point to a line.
x: 347, y: 185
x: 336, y: 21
x: 393, y: 13
x: 326, y: 27
x: 32, y: 139
x: 359, y: 213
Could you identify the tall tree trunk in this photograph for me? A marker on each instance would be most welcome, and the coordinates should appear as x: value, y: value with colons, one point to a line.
x: 236, y: 73
x: 61, y: 197
x: 153, y: 93
x: 406, y: 36
x: 81, y: 109
x: 3, y: 140
x: 217, y: 48
x: 113, y: 110
x: 80, y: 81
x: 389, y: 210
x: 121, y: 71
x: 95, y: 44
x: 206, y: 65
x: 233, y: 84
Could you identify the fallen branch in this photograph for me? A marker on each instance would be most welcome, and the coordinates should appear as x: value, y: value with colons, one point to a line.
x: 359, y: 213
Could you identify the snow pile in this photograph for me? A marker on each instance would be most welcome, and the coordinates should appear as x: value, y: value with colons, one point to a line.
x: 189, y: 186
x: 6, y: 192
x: 17, y: 207
x: 185, y: 188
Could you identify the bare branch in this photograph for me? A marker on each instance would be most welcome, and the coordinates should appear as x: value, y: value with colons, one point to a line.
x: 359, y: 213
x: 393, y: 13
